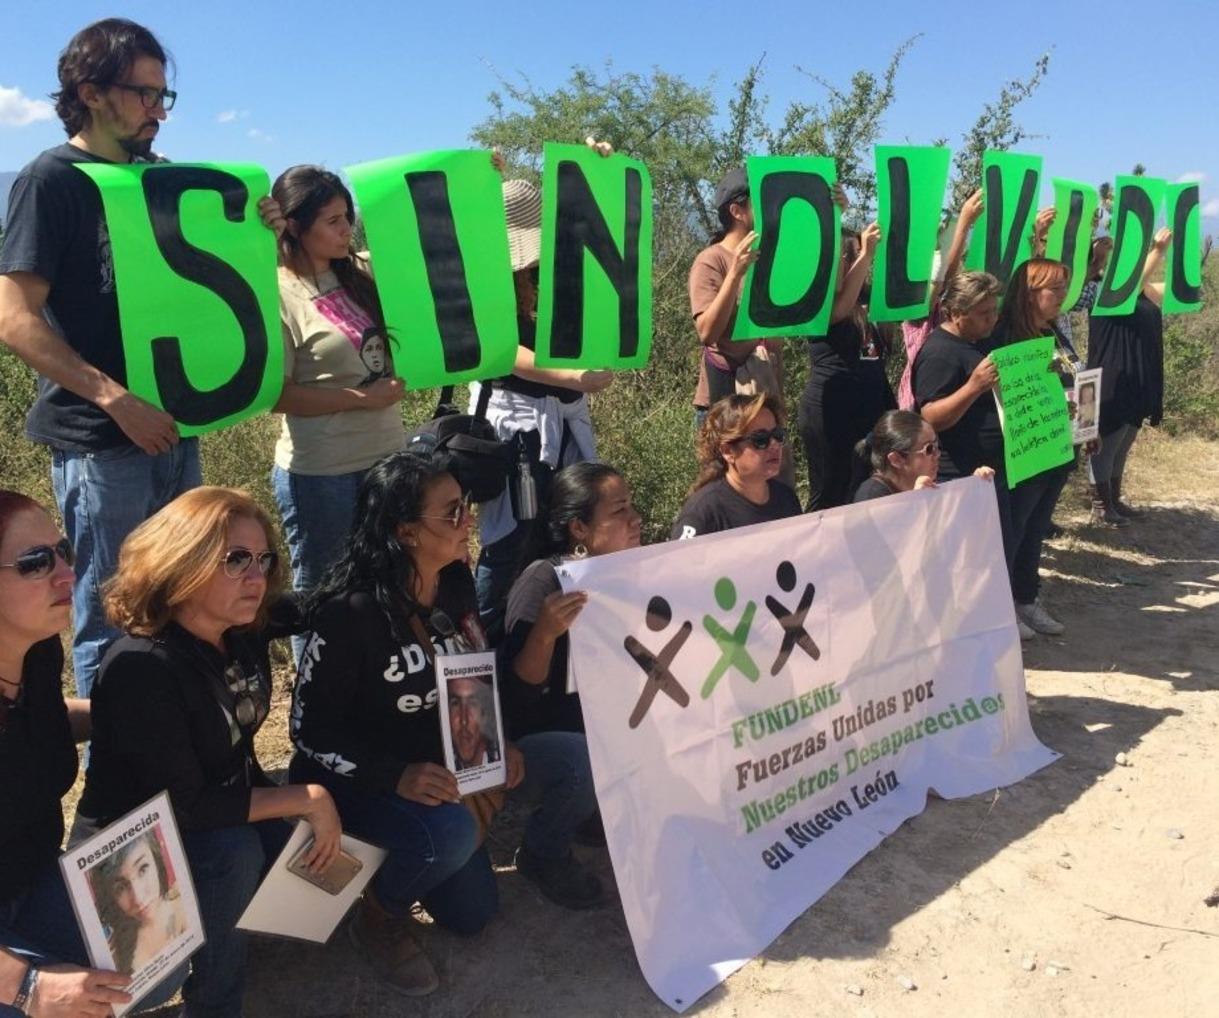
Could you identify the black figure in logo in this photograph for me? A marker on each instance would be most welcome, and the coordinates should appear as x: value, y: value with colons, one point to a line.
x: 792, y: 621
x: 656, y: 666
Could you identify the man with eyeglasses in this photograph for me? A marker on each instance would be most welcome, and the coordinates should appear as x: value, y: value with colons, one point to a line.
x: 116, y: 459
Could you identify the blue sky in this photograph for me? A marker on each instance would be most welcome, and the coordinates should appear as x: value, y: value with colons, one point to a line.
x: 338, y: 83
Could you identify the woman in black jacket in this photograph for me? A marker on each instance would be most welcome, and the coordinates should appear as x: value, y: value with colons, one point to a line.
x: 176, y: 705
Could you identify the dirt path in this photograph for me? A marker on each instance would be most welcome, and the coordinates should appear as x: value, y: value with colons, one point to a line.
x: 1000, y: 904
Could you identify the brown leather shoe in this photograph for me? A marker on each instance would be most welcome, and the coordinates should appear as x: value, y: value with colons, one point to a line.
x: 387, y: 944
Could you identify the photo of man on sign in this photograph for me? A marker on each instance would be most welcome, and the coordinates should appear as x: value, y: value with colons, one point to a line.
x: 472, y: 723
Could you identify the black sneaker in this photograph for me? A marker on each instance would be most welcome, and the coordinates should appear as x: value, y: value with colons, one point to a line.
x: 564, y: 881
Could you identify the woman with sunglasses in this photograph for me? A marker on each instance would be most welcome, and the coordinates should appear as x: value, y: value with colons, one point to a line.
x: 42, y: 956
x: 740, y: 454
x: 903, y: 454
x: 176, y: 706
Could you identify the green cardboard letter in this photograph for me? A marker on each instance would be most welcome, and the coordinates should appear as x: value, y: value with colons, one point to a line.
x: 1183, y: 269
x: 910, y: 183
x: 439, y: 250
x: 1010, y: 183
x: 198, y: 299
x: 1070, y: 236
x: 1135, y: 206
x: 595, y: 280
x: 789, y: 290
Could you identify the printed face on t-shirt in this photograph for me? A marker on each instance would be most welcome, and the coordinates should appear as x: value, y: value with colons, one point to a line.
x: 372, y: 352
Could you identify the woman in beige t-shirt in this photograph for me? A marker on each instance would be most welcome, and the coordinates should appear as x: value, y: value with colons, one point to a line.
x: 341, y: 392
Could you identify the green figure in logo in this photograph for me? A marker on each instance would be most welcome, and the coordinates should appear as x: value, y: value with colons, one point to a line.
x: 732, y: 645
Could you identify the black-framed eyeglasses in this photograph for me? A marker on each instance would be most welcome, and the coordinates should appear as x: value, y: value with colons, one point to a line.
x: 39, y: 562
x: 151, y: 98
x: 762, y: 438
x: 455, y: 516
x: 237, y: 562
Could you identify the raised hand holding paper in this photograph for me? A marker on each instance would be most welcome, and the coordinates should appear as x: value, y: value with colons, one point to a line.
x: 1032, y: 409
x: 131, y: 890
x: 194, y: 269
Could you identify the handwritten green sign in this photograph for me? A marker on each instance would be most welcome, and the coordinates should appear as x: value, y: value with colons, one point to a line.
x: 1136, y: 204
x: 1183, y: 261
x: 1070, y: 236
x: 439, y: 250
x: 595, y: 278
x: 1010, y: 183
x: 198, y: 299
x: 910, y: 182
x: 1032, y: 409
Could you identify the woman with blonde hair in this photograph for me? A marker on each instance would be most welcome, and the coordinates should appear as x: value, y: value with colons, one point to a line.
x: 740, y: 454
x: 177, y: 702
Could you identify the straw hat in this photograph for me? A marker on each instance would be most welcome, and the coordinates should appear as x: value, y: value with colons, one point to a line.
x: 523, y: 211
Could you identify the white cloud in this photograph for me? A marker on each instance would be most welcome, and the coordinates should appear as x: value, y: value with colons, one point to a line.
x: 17, y: 110
x: 1192, y: 177
x: 1211, y: 207
x: 256, y: 134
x: 228, y: 116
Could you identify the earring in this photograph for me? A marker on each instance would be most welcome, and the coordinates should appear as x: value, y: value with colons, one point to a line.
x: 580, y: 550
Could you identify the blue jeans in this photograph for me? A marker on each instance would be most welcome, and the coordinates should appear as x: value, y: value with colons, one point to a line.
x: 317, y: 512
x: 559, y: 777
x: 103, y: 497
x: 434, y: 856
x: 1032, y: 505
x: 226, y: 865
x: 41, y: 927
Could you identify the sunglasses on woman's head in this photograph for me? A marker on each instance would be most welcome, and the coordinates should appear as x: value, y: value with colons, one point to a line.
x: 761, y: 439
x: 237, y: 562
x: 39, y: 561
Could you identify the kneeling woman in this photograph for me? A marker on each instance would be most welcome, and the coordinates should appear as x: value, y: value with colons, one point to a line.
x: 176, y: 705
x: 365, y: 721
x: 740, y: 454
x: 903, y: 454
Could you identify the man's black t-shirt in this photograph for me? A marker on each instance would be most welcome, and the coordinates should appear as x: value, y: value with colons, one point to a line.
x: 38, y: 764
x: 55, y: 229
x: 942, y: 366
x: 365, y: 705
x: 529, y: 708
x: 718, y: 506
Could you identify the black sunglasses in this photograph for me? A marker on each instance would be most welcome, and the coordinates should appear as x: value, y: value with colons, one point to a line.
x: 38, y: 562
x: 761, y: 439
x: 151, y: 98
x: 237, y: 562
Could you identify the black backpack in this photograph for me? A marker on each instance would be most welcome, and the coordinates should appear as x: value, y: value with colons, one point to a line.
x: 467, y: 445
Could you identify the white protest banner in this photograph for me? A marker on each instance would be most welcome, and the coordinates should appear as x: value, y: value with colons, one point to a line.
x: 131, y: 890
x: 765, y: 705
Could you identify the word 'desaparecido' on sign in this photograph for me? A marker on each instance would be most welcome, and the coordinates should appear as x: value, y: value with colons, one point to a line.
x: 197, y: 292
